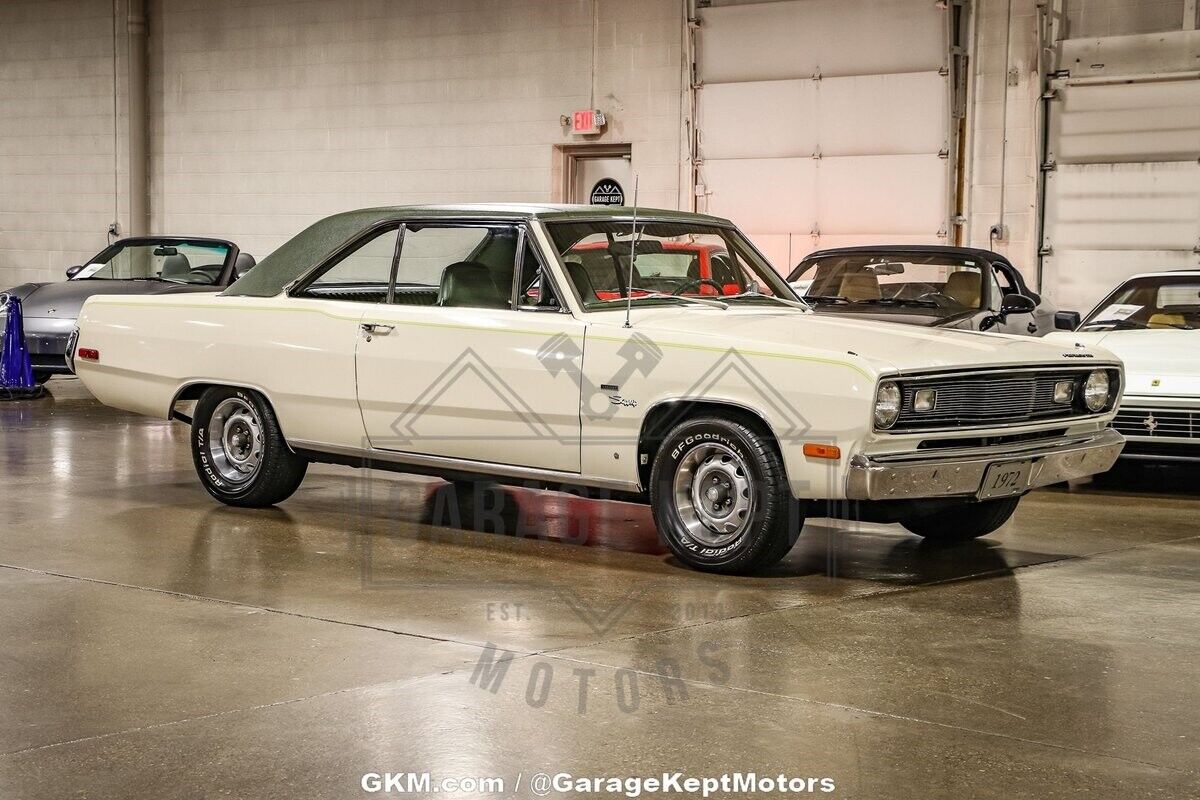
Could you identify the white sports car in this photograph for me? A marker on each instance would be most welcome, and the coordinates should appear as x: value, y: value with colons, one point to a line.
x: 473, y: 342
x: 1152, y: 322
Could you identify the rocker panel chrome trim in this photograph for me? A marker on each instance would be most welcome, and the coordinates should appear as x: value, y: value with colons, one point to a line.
x: 483, y: 468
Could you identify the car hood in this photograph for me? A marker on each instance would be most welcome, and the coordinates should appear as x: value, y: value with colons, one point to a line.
x: 63, y: 300
x: 1157, y: 362
x: 886, y: 346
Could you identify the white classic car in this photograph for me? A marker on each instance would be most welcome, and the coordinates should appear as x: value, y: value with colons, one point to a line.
x: 1152, y: 322
x: 475, y: 342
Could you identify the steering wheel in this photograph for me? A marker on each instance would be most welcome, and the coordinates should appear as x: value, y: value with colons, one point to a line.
x: 697, y: 284
x: 943, y: 301
x: 206, y: 277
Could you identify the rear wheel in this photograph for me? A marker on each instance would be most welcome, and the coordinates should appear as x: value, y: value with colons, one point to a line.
x: 41, y: 377
x: 239, y: 452
x: 720, y: 497
x: 963, y: 522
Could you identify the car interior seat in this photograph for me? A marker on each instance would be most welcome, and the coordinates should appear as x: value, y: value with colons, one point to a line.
x: 1161, y: 320
x: 175, y: 267
x: 963, y: 288
x: 578, y: 274
x: 860, y: 286
x: 467, y: 283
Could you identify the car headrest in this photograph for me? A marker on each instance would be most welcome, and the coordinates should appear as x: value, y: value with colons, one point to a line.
x: 468, y: 283
x: 963, y: 288
x: 578, y: 274
x: 175, y: 266
x: 860, y: 286
x: 693, y: 271
x: 243, y: 264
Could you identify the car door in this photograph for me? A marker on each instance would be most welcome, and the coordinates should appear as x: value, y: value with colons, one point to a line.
x: 463, y: 363
x: 305, y: 349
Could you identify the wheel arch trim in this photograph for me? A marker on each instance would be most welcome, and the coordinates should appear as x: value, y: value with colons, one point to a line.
x: 661, y: 405
x: 196, y: 387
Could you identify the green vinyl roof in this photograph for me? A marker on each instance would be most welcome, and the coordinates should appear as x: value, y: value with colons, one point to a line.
x: 311, y: 246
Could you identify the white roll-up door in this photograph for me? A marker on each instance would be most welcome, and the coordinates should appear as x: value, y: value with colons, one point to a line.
x: 825, y: 122
x: 1123, y: 193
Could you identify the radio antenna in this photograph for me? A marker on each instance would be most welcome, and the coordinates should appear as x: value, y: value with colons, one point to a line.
x: 632, y: 256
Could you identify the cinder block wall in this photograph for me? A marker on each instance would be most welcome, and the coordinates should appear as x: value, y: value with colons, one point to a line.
x: 267, y: 115
x: 57, y: 165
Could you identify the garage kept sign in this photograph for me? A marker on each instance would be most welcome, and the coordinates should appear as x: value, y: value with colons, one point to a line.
x: 607, y: 192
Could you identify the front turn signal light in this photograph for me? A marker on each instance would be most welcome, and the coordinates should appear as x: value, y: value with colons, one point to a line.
x: 830, y: 451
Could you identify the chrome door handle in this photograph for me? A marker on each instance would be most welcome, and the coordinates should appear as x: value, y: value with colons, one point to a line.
x: 369, y: 329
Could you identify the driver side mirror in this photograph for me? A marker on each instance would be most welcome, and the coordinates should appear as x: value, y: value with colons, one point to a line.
x: 73, y: 271
x: 1009, y: 304
x: 1066, y: 320
x: 1016, y: 304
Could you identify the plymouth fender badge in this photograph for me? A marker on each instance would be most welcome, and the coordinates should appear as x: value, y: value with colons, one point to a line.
x: 617, y: 400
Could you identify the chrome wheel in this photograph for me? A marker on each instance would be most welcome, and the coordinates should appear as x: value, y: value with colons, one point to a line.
x: 235, y: 440
x: 714, y: 494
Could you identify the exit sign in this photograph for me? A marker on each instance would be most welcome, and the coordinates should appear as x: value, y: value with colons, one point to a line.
x: 588, y: 121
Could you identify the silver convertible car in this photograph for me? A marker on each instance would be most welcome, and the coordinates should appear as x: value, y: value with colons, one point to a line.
x: 137, y: 265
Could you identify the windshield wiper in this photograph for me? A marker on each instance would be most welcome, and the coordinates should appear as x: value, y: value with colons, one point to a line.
x: 665, y: 296
x: 758, y: 296
x: 900, y: 301
x: 827, y: 298
x: 1119, y: 324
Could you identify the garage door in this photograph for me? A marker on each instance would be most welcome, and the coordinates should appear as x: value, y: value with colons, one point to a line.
x: 1124, y: 193
x: 808, y: 141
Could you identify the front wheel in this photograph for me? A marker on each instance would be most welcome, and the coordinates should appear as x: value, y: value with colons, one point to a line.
x: 40, y: 378
x: 720, y: 497
x: 962, y: 522
x: 239, y: 452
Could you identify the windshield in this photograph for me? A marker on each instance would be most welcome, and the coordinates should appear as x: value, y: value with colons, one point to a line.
x: 917, y: 279
x: 1164, y: 301
x: 176, y: 262
x: 674, y: 262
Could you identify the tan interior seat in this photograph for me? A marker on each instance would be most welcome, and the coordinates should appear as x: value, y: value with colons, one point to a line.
x: 861, y: 286
x: 1166, y: 320
x: 963, y: 288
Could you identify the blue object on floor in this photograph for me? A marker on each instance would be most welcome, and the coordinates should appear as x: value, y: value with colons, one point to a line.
x: 16, y: 370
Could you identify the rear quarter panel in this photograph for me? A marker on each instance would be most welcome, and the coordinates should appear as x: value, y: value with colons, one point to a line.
x: 299, y: 353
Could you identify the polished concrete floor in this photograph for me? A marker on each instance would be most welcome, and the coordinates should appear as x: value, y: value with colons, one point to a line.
x: 158, y: 645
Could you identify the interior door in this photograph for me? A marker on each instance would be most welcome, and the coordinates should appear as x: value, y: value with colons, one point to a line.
x: 455, y: 367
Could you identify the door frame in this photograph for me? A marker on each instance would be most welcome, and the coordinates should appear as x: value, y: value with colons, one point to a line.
x: 566, y: 163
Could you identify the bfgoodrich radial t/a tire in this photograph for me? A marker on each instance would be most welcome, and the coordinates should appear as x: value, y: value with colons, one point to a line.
x: 960, y: 523
x: 239, y: 453
x: 720, y: 497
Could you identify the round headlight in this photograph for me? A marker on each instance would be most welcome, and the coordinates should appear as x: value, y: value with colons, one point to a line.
x: 1095, y: 390
x: 887, y: 405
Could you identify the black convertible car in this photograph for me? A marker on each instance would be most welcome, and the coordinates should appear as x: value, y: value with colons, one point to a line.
x: 137, y: 265
x: 930, y: 285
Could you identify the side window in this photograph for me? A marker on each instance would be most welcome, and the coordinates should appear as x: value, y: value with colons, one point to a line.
x: 457, y: 265
x: 362, y: 275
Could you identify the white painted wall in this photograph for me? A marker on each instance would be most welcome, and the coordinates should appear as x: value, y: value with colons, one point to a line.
x: 57, y: 191
x: 268, y: 115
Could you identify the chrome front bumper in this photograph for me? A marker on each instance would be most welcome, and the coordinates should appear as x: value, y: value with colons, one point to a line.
x: 911, y: 476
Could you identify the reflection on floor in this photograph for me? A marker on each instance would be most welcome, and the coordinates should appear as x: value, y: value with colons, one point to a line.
x: 160, y: 645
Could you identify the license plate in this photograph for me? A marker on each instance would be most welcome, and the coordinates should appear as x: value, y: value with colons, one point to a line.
x: 1006, y: 480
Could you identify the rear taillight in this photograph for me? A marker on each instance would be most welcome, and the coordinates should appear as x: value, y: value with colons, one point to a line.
x: 87, y: 354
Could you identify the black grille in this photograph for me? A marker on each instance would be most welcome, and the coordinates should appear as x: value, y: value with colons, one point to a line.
x: 966, y: 401
x: 1158, y: 422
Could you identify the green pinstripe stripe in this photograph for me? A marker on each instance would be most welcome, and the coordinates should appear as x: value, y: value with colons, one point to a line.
x: 831, y: 362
